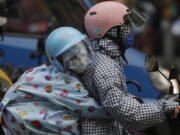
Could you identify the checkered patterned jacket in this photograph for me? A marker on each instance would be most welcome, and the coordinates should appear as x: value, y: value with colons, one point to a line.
x: 105, y: 81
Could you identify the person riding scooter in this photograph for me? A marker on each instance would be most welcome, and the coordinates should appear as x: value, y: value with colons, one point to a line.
x: 110, y: 34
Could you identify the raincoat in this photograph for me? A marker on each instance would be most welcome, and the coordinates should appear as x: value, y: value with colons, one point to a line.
x: 47, y: 102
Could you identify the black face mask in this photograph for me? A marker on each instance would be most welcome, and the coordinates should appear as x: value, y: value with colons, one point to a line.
x: 119, y: 41
x: 112, y: 44
x: 122, y: 38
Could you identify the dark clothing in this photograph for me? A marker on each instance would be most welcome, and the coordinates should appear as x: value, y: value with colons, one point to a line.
x: 106, y: 83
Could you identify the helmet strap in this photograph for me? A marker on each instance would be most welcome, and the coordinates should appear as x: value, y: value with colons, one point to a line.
x: 56, y: 64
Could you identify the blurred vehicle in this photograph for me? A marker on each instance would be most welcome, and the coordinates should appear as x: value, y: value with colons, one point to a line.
x: 136, y: 70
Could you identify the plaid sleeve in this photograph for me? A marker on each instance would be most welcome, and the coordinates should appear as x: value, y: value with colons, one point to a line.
x: 132, y: 115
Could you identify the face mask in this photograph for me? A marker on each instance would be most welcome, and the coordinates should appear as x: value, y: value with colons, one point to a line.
x: 78, y: 63
x: 76, y: 58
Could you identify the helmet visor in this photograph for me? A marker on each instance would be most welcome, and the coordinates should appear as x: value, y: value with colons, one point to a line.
x: 77, y: 57
x: 135, y: 18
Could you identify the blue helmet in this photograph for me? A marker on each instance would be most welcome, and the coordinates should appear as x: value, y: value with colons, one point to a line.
x: 59, y: 41
x: 62, y: 39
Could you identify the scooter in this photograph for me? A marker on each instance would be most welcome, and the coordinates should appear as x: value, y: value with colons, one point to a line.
x: 152, y: 65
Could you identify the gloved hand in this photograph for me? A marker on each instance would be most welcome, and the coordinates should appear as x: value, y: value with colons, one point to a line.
x: 175, y: 114
x: 174, y: 97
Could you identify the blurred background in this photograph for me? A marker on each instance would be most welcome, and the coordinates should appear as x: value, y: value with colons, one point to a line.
x: 36, y: 18
x: 25, y: 24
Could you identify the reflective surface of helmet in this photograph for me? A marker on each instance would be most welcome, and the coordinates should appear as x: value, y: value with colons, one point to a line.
x: 66, y: 47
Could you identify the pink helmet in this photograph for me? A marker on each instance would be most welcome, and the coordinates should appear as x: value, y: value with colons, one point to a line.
x: 103, y: 16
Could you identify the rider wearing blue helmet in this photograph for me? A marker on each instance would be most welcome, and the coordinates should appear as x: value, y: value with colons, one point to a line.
x: 46, y: 100
x: 67, y: 47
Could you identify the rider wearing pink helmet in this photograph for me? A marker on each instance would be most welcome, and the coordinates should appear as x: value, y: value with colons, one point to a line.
x: 108, y: 24
x: 104, y: 20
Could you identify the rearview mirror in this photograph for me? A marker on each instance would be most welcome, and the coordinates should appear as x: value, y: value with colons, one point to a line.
x: 151, y: 64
